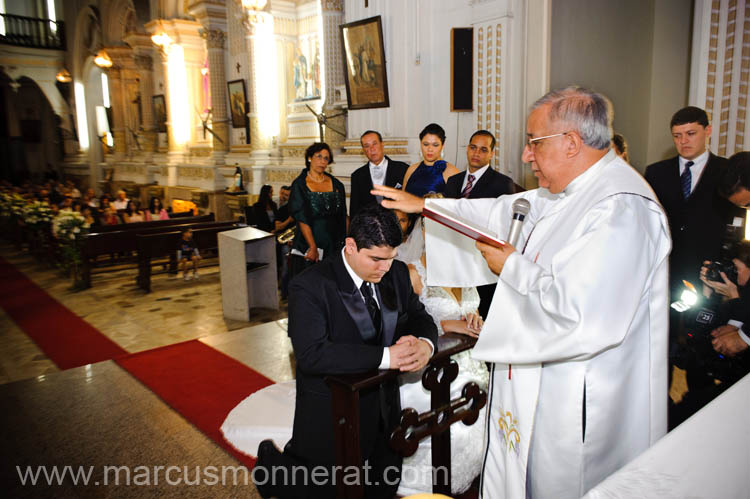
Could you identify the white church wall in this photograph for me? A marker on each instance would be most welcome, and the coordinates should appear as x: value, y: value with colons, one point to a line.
x: 607, y: 46
x: 417, y: 50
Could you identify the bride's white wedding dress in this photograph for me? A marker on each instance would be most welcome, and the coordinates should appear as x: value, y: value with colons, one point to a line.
x: 467, y: 442
x: 269, y: 413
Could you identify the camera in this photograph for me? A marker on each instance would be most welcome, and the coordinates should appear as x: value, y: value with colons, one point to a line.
x: 695, y: 350
x: 714, y: 270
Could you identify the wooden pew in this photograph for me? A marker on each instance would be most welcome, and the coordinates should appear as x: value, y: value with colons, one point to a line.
x: 175, y: 220
x: 124, y: 241
x: 165, y: 244
x: 444, y: 412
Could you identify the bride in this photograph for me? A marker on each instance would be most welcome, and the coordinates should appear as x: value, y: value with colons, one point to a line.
x: 269, y: 413
x: 454, y: 310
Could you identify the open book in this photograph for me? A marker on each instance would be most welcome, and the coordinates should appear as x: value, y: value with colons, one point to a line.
x: 460, y: 224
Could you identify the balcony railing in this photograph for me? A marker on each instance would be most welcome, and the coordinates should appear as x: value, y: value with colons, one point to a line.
x: 32, y: 32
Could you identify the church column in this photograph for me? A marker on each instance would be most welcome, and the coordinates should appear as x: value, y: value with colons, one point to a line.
x: 143, y: 64
x: 262, y: 88
x: 116, y: 91
x: 217, y: 80
x: 146, y: 85
x: 333, y: 16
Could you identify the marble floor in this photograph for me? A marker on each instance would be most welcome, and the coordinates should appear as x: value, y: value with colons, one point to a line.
x: 99, y: 415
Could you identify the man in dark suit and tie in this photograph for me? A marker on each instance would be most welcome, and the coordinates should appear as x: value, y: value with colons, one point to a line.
x: 351, y: 313
x: 380, y: 170
x: 686, y: 186
x: 480, y: 181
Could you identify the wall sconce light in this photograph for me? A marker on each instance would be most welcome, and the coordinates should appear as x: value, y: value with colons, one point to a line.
x: 102, y: 59
x: 63, y: 76
x: 204, y: 69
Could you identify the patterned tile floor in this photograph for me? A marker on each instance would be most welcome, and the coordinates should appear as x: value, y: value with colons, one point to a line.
x: 65, y: 418
x: 175, y: 311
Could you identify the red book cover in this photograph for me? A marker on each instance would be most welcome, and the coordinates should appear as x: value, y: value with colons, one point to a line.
x: 462, y: 225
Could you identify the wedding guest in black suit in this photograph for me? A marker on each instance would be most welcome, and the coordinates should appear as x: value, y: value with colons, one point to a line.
x: 686, y: 186
x: 351, y: 313
x: 380, y: 170
x: 480, y: 181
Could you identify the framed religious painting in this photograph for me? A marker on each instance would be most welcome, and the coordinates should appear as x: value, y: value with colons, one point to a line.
x: 237, y: 102
x: 160, y: 113
x: 364, y: 64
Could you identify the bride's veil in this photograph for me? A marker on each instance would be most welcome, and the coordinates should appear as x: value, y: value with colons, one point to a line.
x: 413, y: 248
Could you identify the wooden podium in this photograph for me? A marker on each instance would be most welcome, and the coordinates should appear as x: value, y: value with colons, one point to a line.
x: 247, y: 261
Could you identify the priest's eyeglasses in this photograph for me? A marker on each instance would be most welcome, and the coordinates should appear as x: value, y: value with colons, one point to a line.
x: 532, y: 142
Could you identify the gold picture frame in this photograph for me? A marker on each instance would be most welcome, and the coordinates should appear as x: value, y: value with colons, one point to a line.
x: 364, y: 65
x: 237, y: 102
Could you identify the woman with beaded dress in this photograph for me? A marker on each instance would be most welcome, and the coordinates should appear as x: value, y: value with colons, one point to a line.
x: 431, y: 174
x: 318, y: 205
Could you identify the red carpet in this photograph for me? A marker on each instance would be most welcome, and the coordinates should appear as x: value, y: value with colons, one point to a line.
x: 68, y: 340
x: 199, y: 382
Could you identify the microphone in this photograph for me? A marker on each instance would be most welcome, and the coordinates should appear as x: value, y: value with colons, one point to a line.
x: 521, y: 208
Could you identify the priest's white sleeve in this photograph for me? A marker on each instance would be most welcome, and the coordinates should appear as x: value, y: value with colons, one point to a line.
x: 584, y: 301
x: 452, y: 258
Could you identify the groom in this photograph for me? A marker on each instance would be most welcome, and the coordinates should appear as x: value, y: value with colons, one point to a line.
x: 351, y: 313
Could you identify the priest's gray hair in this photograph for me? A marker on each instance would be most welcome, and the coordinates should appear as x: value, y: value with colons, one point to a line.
x: 587, y: 112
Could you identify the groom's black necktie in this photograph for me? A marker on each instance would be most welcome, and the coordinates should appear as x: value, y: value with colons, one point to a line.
x: 372, y: 306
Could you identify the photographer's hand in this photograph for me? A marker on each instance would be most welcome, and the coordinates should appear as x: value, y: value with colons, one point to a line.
x: 726, y: 288
x: 727, y: 341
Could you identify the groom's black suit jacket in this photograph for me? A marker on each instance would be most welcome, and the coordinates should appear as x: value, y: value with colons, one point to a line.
x: 361, y: 183
x: 327, y: 317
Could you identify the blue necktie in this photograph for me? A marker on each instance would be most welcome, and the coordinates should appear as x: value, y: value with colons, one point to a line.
x: 686, y: 180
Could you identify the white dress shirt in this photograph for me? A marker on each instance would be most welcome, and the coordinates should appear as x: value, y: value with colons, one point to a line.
x: 377, y: 172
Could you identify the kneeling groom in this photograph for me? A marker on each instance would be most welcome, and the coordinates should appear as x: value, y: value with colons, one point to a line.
x: 350, y: 313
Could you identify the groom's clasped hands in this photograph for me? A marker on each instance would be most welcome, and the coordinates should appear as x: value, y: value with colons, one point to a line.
x: 410, y: 353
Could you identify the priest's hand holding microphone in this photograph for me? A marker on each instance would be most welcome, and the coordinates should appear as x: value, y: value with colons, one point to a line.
x: 495, y: 256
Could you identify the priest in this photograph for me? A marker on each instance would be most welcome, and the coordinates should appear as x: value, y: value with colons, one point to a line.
x: 577, y: 329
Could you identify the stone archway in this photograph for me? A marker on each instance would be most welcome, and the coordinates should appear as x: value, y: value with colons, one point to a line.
x: 32, y: 138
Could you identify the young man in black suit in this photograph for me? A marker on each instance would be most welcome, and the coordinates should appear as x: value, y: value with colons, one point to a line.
x: 352, y: 313
x: 686, y: 186
x: 380, y: 170
x: 480, y: 181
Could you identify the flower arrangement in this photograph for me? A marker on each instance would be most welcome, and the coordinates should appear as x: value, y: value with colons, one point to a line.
x: 70, y: 227
x: 37, y: 214
x: 11, y: 205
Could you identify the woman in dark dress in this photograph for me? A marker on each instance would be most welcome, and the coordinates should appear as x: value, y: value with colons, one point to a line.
x: 433, y: 172
x: 265, y: 212
x: 318, y: 205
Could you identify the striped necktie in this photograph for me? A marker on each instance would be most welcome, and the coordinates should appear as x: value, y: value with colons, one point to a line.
x: 469, y: 185
x: 686, y: 180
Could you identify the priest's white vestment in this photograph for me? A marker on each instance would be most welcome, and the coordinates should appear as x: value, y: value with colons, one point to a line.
x: 577, y: 329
